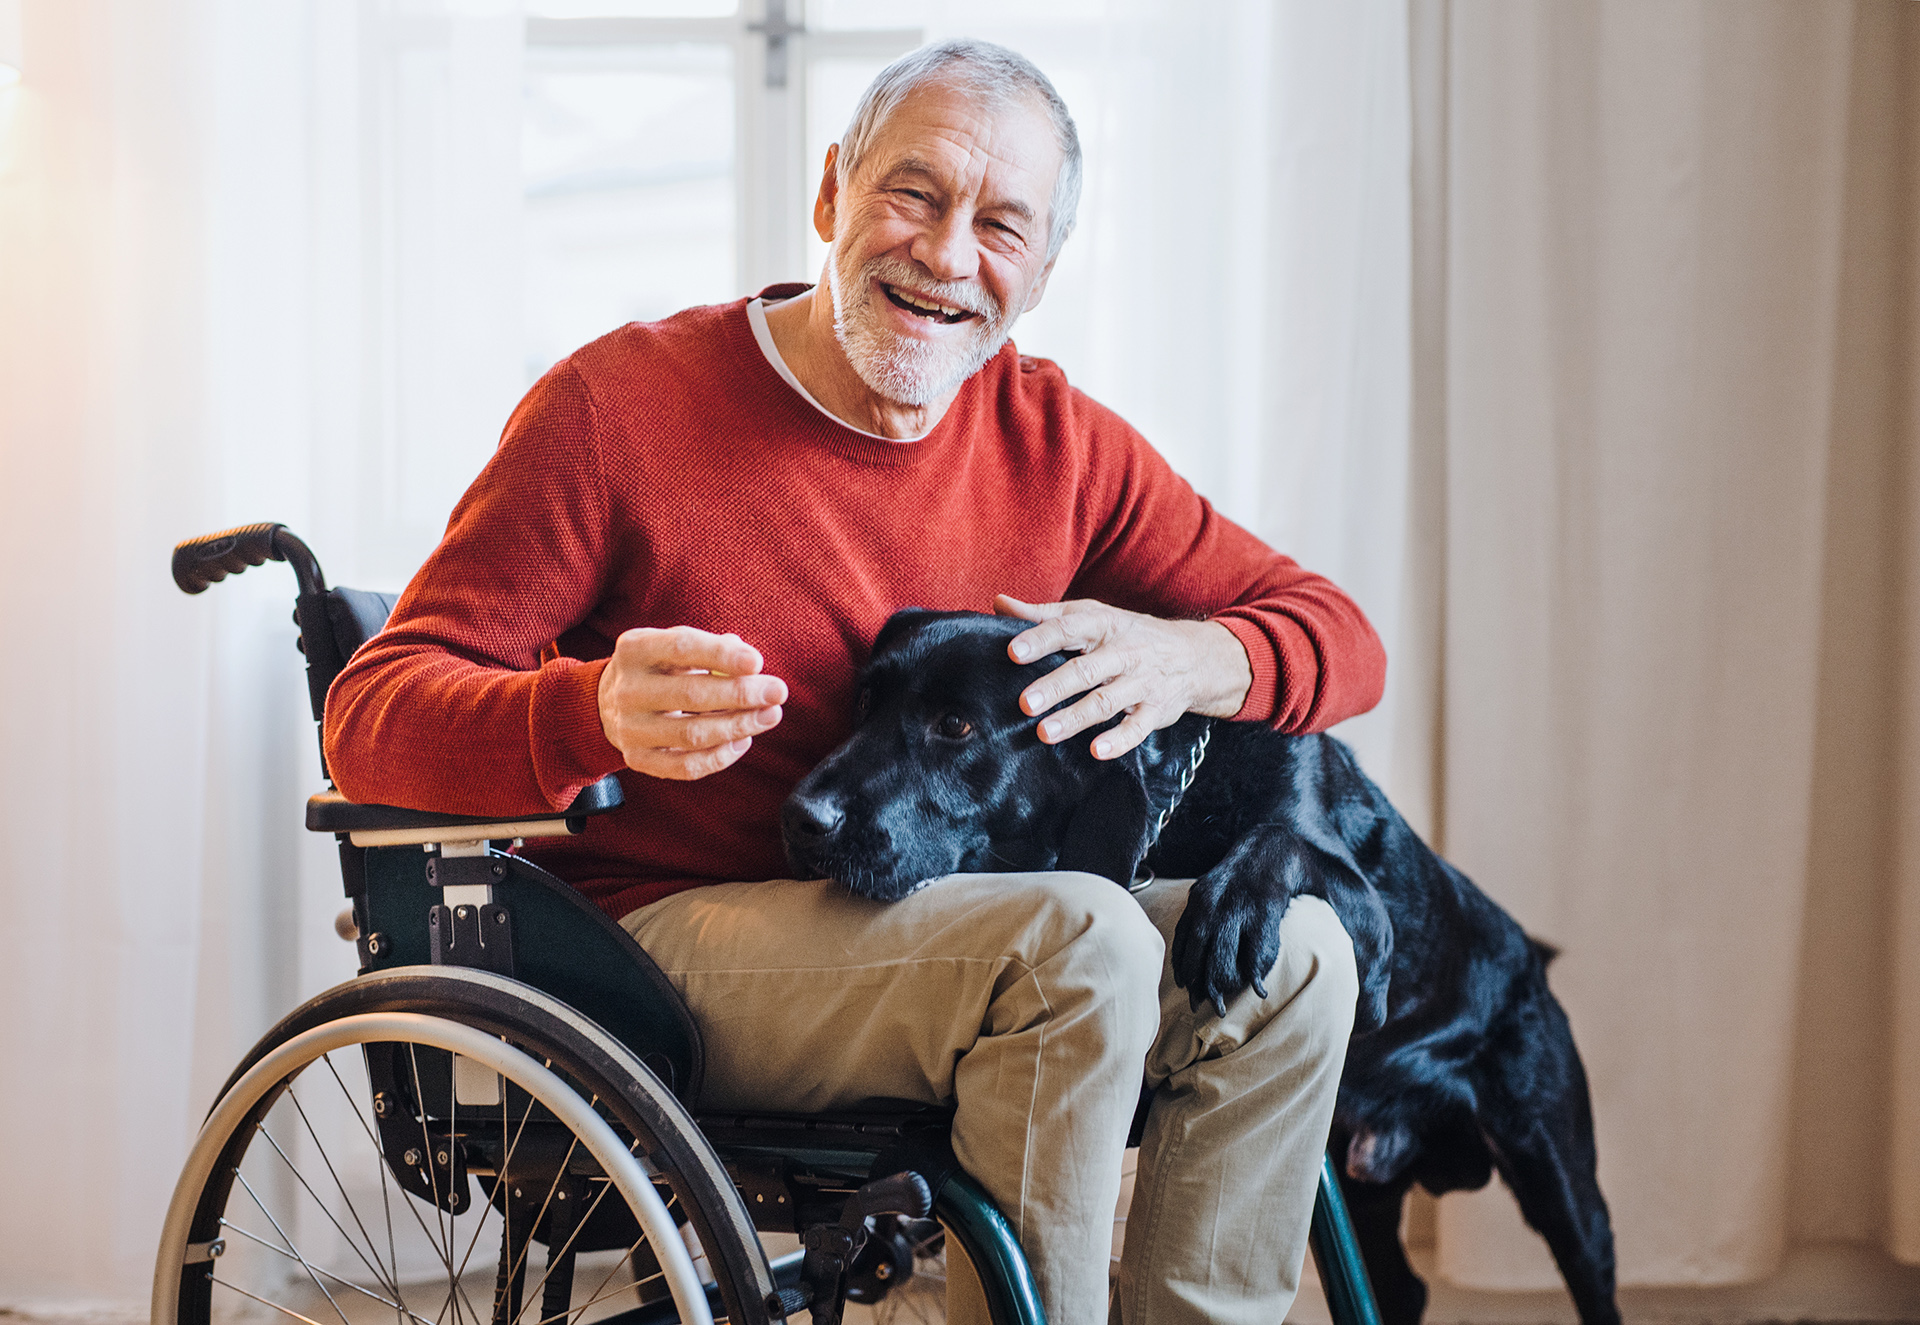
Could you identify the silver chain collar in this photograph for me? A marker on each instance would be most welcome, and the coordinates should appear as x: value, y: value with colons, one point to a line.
x: 1143, y: 876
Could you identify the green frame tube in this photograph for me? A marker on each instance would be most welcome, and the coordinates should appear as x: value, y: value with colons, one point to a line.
x: 987, y: 1241
x: 1336, y: 1254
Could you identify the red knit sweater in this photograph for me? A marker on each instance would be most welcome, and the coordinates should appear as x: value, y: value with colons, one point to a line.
x: 666, y: 475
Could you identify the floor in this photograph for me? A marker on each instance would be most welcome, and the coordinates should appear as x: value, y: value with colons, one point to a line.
x: 1824, y: 1284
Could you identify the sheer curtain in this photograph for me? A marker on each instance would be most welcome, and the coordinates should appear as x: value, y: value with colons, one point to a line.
x: 238, y: 251
x: 1673, y: 392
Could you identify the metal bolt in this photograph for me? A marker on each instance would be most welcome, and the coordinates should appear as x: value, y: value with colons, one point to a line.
x: 442, y: 1158
x: 382, y: 1106
x: 373, y: 945
x: 464, y: 912
x: 516, y: 1193
x: 499, y: 871
x: 561, y: 1194
x: 411, y: 1159
x: 499, y: 917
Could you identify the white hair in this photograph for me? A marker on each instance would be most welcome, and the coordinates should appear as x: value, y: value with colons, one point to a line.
x: 996, y: 76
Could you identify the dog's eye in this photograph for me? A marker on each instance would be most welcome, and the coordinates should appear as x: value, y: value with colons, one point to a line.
x: 863, y: 704
x: 953, y: 727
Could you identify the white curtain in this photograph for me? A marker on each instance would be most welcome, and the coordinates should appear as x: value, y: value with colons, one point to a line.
x: 1674, y: 361
x: 238, y: 241
x: 1576, y: 340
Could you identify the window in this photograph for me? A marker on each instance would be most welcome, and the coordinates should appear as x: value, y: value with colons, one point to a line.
x: 671, y: 149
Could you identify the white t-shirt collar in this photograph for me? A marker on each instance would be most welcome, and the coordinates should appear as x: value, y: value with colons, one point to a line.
x: 763, y: 337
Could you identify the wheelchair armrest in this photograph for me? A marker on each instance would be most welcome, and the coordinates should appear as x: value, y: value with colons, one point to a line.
x: 391, y: 825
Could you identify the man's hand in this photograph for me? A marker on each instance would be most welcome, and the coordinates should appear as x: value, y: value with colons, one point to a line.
x: 683, y: 703
x: 1152, y: 670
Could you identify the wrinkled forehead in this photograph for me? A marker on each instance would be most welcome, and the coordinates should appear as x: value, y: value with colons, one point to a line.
x: 969, y: 140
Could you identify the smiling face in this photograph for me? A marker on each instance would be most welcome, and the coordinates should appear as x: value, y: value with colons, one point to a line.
x: 939, y: 238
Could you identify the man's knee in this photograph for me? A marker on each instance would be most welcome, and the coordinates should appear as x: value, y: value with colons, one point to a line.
x: 1316, y: 964
x: 1088, y: 943
x: 1102, y: 922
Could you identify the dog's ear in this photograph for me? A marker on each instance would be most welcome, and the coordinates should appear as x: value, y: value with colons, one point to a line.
x: 1107, y: 831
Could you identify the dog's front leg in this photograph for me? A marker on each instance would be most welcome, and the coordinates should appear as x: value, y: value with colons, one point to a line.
x: 1229, y: 936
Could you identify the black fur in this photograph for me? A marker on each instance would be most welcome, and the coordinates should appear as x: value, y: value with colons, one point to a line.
x: 1461, y: 1062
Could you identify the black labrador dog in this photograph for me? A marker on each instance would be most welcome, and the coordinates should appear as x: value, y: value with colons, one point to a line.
x: 1461, y: 1061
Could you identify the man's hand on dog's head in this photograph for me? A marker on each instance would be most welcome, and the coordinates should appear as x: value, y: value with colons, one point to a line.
x: 684, y: 703
x: 1151, y: 670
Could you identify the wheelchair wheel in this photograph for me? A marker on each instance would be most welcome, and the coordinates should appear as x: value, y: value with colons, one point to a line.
x: 439, y: 1144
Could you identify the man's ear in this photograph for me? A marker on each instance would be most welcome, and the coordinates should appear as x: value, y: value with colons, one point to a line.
x: 827, y: 200
x: 1107, y: 832
x: 1040, y: 286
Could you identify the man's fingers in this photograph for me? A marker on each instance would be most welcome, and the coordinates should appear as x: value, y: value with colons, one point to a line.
x: 1007, y: 605
x: 1133, y: 729
x: 689, y: 765
x: 1077, y: 674
x: 700, y: 731
x: 1076, y: 625
x: 702, y: 692
x: 679, y: 648
x: 1090, y: 710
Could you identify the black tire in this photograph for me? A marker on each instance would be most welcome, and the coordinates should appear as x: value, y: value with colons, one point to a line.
x: 555, y: 1076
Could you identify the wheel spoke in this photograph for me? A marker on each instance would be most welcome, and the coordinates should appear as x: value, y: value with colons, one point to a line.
x: 380, y: 1164
x: 301, y: 1178
x: 361, y: 1289
x: 409, y: 1203
x: 554, y: 1254
x: 304, y: 1264
x: 442, y: 1219
x: 339, y: 1186
x: 600, y: 1290
x: 546, y: 1201
x: 287, y: 1311
x: 501, y: 1177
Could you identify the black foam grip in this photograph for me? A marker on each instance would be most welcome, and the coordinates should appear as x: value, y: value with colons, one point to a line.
x: 209, y: 559
x: 905, y: 1193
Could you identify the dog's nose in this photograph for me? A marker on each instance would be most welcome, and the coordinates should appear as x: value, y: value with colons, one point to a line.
x: 811, y: 818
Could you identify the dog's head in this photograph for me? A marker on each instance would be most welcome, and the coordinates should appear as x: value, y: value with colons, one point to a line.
x: 944, y: 773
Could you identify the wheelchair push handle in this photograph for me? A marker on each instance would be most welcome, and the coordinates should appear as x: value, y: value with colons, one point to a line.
x: 210, y: 558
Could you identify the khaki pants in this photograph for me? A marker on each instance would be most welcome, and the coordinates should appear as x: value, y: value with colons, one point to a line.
x: 1035, y: 1003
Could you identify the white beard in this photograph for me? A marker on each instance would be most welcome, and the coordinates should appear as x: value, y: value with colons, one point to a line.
x: 900, y: 369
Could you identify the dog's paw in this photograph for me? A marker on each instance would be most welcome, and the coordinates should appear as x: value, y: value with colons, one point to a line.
x: 1228, y: 938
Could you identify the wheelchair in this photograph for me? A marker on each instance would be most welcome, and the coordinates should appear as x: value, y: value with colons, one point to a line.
x: 509, y: 1082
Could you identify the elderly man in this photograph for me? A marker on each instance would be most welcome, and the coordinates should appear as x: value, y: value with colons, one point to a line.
x: 673, y: 565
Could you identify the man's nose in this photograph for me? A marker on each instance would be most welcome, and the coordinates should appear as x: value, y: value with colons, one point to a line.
x: 947, y: 248
x: 811, y: 818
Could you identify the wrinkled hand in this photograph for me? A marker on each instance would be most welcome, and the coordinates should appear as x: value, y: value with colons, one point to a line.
x: 1152, y: 670
x: 684, y: 703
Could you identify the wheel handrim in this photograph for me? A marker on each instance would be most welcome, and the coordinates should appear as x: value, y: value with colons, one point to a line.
x: 259, y: 1091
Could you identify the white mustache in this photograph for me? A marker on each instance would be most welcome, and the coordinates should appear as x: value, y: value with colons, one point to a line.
x: 892, y: 271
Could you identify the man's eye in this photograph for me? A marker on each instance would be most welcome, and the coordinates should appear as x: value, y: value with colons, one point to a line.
x: 953, y: 727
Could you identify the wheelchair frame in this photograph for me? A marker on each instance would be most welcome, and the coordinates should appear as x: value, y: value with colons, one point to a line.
x: 430, y: 893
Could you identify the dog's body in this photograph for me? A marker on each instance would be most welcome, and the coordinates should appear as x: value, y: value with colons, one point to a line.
x: 1461, y: 1060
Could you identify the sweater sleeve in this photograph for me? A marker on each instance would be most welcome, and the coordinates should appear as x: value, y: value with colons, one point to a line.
x: 450, y: 707
x: 1161, y: 548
